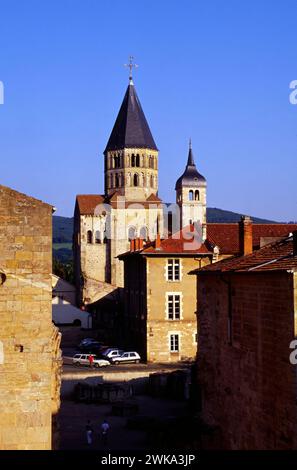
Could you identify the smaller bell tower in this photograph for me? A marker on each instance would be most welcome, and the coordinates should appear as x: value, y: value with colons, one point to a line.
x: 191, y: 194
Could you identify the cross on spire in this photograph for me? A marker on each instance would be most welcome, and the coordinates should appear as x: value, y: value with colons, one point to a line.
x: 130, y: 65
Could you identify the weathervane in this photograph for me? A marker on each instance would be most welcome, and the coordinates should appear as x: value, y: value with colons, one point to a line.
x: 130, y: 66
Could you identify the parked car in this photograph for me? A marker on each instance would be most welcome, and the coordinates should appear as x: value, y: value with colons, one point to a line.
x: 86, y: 342
x: 83, y: 360
x: 92, y: 347
x: 110, y: 353
x: 126, y: 357
x: 96, y: 348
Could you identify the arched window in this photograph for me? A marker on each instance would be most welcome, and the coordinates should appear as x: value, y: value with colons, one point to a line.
x: 197, y: 195
x: 141, y: 182
x: 136, y: 180
x: 191, y: 195
x: 151, y: 162
x: 97, y: 237
x: 137, y: 160
x: 143, y: 233
x: 89, y: 236
x: 133, y: 160
x: 131, y: 233
x: 117, y: 180
x: 152, y: 181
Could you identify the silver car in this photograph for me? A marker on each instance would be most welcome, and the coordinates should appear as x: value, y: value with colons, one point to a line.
x: 83, y: 360
x: 126, y: 357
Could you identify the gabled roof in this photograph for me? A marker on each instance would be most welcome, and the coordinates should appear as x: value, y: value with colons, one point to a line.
x: 23, y: 198
x: 153, y: 198
x: 88, y: 202
x: 131, y: 129
x: 226, y: 236
x: 277, y: 256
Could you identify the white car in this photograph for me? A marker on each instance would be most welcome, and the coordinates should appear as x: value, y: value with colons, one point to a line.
x: 111, y: 353
x: 83, y: 360
x: 130, y: 356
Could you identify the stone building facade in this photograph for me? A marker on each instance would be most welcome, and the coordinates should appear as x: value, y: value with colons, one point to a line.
x: 149, y: 293
x: 130, y: 207
x: 29, y: 355
x: 247, y: 311
x: 160, y: 296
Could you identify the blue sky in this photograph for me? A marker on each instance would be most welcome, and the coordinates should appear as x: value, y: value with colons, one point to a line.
x: 217, y: 71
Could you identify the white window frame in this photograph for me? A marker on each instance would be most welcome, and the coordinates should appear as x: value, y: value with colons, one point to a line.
x: 173, y: 260
x: 180, y: 294
x: 178, y: 334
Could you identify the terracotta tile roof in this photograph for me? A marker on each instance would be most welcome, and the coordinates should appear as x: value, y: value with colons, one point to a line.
x: 186, y: 242
x: 275, y: 256
x: 88, y: 202
x: 226, y: 236
x: 153, y: 198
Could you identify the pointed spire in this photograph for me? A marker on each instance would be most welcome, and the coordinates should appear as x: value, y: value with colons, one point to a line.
x: 190, y: 177
x: 190, y: 156
x: 131, y: 129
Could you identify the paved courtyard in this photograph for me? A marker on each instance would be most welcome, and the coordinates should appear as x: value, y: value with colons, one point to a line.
x: 73, y: 418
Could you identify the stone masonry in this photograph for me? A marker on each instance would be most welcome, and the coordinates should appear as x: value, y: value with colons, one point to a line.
x: 248, y: 384
x: 29, y: 352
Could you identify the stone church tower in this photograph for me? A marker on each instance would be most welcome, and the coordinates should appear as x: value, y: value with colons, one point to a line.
x: 129, y: 208
x: 191, y: 194
x: 131, y: 155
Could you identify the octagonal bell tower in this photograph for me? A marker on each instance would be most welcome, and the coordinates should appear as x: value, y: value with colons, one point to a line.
x: 131, y: 155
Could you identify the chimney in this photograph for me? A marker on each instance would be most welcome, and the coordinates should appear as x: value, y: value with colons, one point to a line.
x: 137, y: 244
x: 295, y: 243
x: 245, y: 235
x: 158, y: 241
x: 132, y: 244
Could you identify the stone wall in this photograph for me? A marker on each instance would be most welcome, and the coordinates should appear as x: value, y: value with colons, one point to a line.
x: 26, y: 331
x: 248, y: 384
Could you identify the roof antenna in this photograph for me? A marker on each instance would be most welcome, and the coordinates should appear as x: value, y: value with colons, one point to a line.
x: 130, y: 65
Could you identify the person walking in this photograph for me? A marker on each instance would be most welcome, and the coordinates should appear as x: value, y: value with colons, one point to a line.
x: 91, y: 360
x: 89, y: 433
x: 104, y: 431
